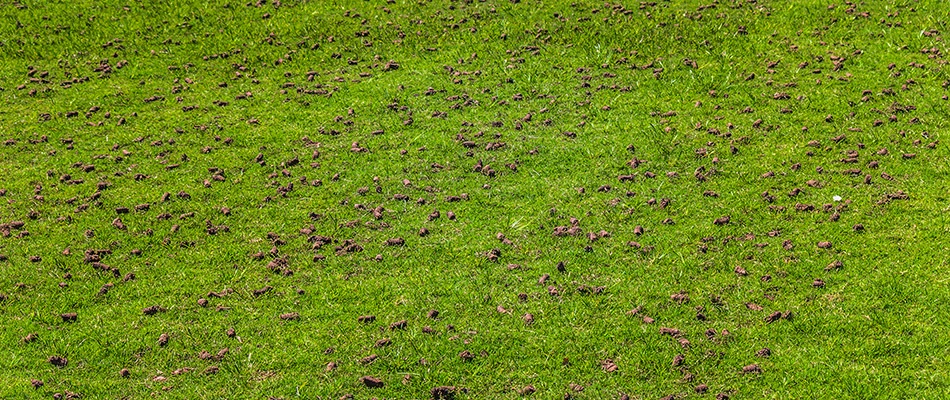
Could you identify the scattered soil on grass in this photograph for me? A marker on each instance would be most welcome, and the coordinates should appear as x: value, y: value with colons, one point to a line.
x: 678, y: 360
x: 366, y: 318
x: 834, y: 265
x: 152, y: 310
x: 57, y: 361
x: 290, y: 316
x: 443, y: 392
x: 752, y: 369
x: 527, y: 390
x: 371, y: 382
x: 101, y: 181
x: 398, y: 325
x: 369, y: 359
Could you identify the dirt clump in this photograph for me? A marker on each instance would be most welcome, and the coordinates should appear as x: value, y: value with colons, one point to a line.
x: 371, y: 382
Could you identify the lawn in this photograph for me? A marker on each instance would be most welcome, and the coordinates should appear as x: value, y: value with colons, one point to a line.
x: 329, y: 199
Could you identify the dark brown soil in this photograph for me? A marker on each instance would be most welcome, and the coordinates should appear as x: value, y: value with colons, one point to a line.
x: 670, y: 331
x: 528, y: 318
x: 57, y: 361
x: 366, y: 318
x: 262, y: 290
x: 834, y: 265
x: 398, y: 325
x: 752, y: 369
x: 680, y: 297
x: 443, y: 392
x: 371, y: 382
x: 152, y: 310
x: 368, y: 359
x: 678, y: 360
x: 30, y: 338
x: 290, y: 316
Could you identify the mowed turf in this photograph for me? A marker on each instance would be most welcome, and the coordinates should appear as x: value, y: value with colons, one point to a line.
x: 474, y: 199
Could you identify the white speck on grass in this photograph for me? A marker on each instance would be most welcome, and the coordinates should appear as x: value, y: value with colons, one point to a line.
x: 836, y: 198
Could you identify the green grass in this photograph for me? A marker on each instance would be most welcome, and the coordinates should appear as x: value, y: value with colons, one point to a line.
x: 597, y: 80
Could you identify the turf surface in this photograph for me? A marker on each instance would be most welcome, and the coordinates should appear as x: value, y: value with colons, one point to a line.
x: 213, y: 199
